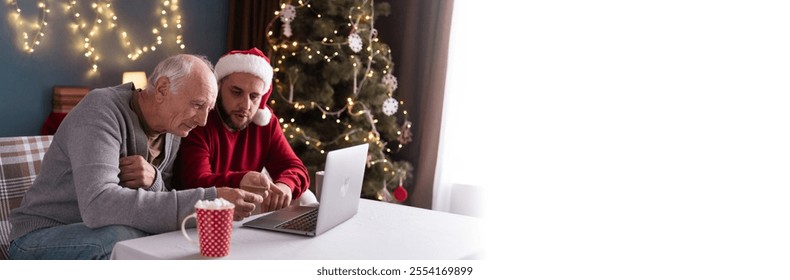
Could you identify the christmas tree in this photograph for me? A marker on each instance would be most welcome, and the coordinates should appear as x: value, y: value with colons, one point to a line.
x: 334, y: 88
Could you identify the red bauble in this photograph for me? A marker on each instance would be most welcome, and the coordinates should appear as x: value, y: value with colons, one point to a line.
x: 401, y: 194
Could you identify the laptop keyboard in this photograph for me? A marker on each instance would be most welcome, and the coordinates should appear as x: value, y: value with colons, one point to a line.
x: 305, y: 222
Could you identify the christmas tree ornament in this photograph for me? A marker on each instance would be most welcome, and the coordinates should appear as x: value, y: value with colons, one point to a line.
x: 390, y: 81
x: 355, y: 42
x: 384, y: 194
x: 400, y: 192
x: 287, y: 15
x: 390, y: 106
x: 405, y: 133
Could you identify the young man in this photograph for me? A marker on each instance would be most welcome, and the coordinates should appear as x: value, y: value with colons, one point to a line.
x: 105, y: 176
x: 242, y: 136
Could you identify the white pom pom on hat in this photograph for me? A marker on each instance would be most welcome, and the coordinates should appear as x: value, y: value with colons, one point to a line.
x: 251, y: 61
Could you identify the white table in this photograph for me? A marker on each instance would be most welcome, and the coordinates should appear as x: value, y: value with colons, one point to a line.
x: 379, y: 231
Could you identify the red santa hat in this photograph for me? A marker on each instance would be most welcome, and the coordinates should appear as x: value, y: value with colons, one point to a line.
x: 251, y: 61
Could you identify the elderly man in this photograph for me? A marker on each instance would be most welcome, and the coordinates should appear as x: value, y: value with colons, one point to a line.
x: 104, y: 177
x: 242, y: 137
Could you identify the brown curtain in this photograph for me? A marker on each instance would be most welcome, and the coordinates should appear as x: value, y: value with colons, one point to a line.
x: 247, y: 20
x: 418, y: 32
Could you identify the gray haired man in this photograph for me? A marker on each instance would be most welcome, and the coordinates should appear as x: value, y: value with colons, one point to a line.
x: 105, y: 176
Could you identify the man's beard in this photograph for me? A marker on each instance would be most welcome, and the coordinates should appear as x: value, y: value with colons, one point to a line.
x: 226, y: 118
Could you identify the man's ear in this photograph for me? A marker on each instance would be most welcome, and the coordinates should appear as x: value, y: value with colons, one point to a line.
x: 162, y: 89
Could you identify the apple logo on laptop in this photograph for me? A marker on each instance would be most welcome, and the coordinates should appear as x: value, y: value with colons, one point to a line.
x: 344, y: 187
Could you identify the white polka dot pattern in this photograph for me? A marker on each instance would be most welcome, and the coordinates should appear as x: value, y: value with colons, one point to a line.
x: 214, y: 229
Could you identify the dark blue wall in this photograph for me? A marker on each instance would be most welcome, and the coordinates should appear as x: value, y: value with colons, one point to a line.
x: 26, y: 80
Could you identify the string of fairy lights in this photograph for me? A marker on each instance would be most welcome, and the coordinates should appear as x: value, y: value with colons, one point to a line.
x: 353, y: 108
x: 89, y: 28
x: 29, y: 42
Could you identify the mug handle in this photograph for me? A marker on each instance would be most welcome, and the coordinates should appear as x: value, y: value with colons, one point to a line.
x: 183, y: 227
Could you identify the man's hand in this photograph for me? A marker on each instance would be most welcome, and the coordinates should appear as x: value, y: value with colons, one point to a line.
x: 244, y: 201
x: 279, y: 197
x: 136, y: 172
x: 257, y: 183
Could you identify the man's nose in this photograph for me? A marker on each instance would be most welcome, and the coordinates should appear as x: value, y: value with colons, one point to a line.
x: 202, y: 116
x: 247, y: 103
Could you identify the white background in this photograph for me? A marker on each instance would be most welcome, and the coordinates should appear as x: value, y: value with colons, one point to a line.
x: 630, y: 139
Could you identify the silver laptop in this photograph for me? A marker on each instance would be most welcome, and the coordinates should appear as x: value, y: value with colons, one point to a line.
x: 338, y: 198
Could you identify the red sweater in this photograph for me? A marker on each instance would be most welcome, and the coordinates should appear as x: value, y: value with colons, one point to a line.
x: 214, y: 156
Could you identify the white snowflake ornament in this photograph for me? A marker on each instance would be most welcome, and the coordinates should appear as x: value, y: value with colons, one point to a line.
x: 287, y: 15
x: 355, y: 42
x: 390, y: 81
x: 390, y: 106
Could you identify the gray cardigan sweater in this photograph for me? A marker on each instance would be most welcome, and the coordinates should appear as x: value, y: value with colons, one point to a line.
x: 79, y: 180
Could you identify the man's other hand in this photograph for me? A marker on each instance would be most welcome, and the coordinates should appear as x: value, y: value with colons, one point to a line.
x: 136, y: 172
x: 244, y: 201
x: 279, y: 197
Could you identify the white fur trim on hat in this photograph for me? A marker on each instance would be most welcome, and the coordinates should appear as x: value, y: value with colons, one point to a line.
x: 262, y: 117
x: 247, y: 63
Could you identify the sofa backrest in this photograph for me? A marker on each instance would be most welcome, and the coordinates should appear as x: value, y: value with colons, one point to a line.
x: 20, y: 163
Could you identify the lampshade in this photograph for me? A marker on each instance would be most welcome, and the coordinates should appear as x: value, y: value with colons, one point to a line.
x: 138, y: 78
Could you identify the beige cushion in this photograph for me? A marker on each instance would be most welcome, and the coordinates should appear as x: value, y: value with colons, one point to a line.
x: 20, y: 163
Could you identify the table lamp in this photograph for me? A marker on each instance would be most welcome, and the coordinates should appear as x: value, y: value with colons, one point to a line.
x: 138, y: 78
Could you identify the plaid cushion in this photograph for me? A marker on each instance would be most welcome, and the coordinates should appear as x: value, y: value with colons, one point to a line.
x: 20, y: 162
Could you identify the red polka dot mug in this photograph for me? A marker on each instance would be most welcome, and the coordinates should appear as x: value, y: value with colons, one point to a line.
x: 214, y: 227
